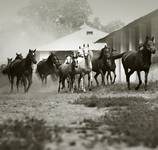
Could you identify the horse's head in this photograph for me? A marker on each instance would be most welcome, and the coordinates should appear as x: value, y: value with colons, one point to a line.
x: 74, y: 61
x: 54, y: 60
x: 105, y: 54
x: 150, y: 45
x: 9, y: 60
x: 31, y: 55
x: 19, y: 56
x: 68, y: 60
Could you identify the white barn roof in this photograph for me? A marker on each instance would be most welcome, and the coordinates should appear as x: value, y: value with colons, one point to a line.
x: 86, y: 35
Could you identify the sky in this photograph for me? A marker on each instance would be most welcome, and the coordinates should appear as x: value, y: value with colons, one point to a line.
x: 106, y: 10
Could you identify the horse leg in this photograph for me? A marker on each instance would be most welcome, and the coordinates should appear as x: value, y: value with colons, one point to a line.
x: 59, y: 84
x: 68, y: 82
x: 63, y: 82
x: 79, y: 80
x: 29, y: 78
x: 146, y: 79
x: 110, y: 77
x: 12, y: 82
x: 95, y: 77
x: 83, y: 84
x: 72, y: 79
x: 107, y: 78
x: 45, y: 79
x: 128, y: 78
x: 42, y: 79
x: 17, y: 83
x: 9, y: 77
x: 24, y: 82
x: 90, y: 81
x: 140, y: 81
x: 103, y: 76
x: 114, y: 77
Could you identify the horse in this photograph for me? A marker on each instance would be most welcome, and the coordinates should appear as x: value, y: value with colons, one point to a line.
x: 85, y: 67
x: 67, y: 71
x: 111, y: 68
x: 139, y: 61
x: 47, y: 67
x: 22, y: 69
x: 100, y: 64
x: 6, y: 70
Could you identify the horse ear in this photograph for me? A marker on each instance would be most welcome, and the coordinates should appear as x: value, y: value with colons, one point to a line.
x: 147, y: 38
x: 29, y: 50
x: 153, y: 39
x: 34, y: 51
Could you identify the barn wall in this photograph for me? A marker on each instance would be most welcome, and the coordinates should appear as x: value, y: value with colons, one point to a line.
x: 154, y: 32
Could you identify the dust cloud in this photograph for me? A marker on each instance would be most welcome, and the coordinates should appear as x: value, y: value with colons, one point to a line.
x: 19, y: 37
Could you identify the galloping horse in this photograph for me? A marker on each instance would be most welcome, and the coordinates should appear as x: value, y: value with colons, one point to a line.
x: 6, y: 70
x: 47, y: 67
x: 139, y: 61
x: 67, y: 71
x: 85, y: 67
x: 111, y: 68
x: 100, y: 64
x: 22, y: 69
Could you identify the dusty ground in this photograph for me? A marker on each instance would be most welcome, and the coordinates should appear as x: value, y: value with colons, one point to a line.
x: 57, y: 109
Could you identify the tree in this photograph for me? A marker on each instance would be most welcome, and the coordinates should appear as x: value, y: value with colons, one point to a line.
x: 62, y: 16
x: 113, y: 25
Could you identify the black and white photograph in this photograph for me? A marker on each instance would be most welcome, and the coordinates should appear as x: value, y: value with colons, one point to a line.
x: 78, y: 74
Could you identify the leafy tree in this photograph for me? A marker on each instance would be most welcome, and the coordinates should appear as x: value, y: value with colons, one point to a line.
x: 62, y: 16
x: 113, y: 25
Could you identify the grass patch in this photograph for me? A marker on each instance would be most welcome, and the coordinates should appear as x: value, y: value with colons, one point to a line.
x: 135, y: 125
x: 95, y: 101
x: 29, y: 134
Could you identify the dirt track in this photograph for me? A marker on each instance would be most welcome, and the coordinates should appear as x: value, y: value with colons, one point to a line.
x: 46, y: 103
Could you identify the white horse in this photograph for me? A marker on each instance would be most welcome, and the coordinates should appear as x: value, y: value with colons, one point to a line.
x: 84, y: 67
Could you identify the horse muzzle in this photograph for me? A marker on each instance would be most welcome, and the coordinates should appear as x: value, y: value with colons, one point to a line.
x: 153, y: 51
x: 34, y: 61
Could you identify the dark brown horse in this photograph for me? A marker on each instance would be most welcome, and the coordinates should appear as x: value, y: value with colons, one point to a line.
x: 101, y: 64
x: 111, y: 67
x: 47, y: 67
x: 139, y: 61
x: 22, y: 69
x: 6, y: 70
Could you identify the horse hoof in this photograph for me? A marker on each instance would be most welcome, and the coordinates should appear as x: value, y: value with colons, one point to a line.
x: 136, y: 88
x: 84, y: 91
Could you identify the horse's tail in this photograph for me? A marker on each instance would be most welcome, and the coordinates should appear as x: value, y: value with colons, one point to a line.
x: 117, y: 56
x: 37, y: 72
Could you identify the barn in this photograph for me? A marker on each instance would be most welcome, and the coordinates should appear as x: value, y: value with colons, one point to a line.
x: 71, y: 42
x: 129, y: 37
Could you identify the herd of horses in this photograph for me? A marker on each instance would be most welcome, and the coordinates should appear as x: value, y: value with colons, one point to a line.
x: 75, y: 67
